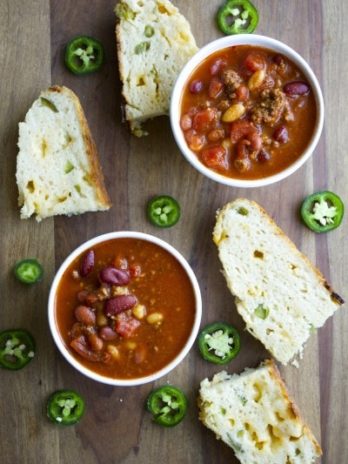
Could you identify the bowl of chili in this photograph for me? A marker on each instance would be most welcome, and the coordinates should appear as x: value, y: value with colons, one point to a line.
x: 247, y: 111
x: 124, y: 308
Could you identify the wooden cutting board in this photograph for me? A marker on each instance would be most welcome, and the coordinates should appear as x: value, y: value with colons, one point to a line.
x: 116, y: 428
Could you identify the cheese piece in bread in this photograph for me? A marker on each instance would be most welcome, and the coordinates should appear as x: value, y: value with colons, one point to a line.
x: 253, y: 414
x: 154, y: 42
x: 58, y: 171
x: 281, y: 296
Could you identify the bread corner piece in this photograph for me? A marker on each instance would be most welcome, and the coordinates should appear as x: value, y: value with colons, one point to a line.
x: 281, y: 296
x: 154, y: 42
x: 58, y: 170
x: 254, y: 415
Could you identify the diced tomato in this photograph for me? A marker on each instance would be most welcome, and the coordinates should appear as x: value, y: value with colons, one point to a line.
x: 254, y: 61
x: 135, y: 270
x: 205, y: 120
x: 216, y: 135
x: 242, y: 93
x: 195, y: 142
x: 215, y: 87
x: 215, y: 157
x: 120, y: 262
x: 186, y: 122
x: 126, y: 325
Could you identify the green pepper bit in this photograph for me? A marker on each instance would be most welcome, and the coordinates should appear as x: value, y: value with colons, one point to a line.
x: 262, y: 312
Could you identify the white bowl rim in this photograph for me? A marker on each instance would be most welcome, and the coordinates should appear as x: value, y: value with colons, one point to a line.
x: 226, y: 42
x: 52, y: 320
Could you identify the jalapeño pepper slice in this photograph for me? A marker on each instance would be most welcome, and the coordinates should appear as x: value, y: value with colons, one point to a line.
x: 219, y: 343
x: 322, y: 211
x: 163, y: 211
x: 168, y: 405
x: 65, y: 407
x: 237, y: 17
x: 84, y: 55
x: 28, y: 271
x: 17, y: 348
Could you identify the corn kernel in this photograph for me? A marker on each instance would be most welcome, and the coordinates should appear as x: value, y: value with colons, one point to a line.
x: 155, y: 318
x: 139, y: 311
x: 111, y: 349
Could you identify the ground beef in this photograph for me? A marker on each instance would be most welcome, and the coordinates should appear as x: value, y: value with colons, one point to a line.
x: 224, y: 105
x: 271, y: 107
x: 232, y: 81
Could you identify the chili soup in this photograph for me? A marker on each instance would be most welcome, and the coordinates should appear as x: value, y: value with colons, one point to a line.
x: 248, y: 112
x: 125, y: 308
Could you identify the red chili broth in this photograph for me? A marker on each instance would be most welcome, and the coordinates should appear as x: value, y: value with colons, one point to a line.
x: 164, y: 287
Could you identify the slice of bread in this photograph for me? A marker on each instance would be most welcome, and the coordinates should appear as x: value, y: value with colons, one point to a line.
x: 253, y: 414
x: 58, y: 171
x: 281, y: 296
x: 154, y: 42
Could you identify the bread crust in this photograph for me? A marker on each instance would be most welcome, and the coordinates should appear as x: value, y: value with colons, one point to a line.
x: 95, y: 172
x: 274, y: 372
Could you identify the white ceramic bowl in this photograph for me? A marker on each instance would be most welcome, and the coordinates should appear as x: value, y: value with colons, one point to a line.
x: 52, y: 317
x: 220, y: 44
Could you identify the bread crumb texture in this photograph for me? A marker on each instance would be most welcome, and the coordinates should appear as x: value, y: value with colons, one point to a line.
x: 58, y: 171
x: 281, y: 296
x: 154, y: 42
x: 253, y: 414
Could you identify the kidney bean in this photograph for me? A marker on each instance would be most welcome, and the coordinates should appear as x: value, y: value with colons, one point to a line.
x: 107, y: 334
x: 113, y: 276
x: 77, y: 330
x: 85, y: 315
x: 118, y: 304
x: 139, y: 354
x: 281, y: 134
x: 278, y: 59
x: 87, y: 263
x: 80, y: 346
x: 82, y: 295
x: 95, y: 342
x: 296, y: 88
x: 263, y: 156
x: 217, y: 65
x: 196, y: 86
x: 91, y: 298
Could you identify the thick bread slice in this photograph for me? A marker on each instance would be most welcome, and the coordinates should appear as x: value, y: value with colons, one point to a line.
x: 58, y: 171
x: 281, y: 296
x: 253, y: 413
x: 154, y: 42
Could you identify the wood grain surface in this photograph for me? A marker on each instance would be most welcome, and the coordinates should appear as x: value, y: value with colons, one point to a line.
x: 116, y: 429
